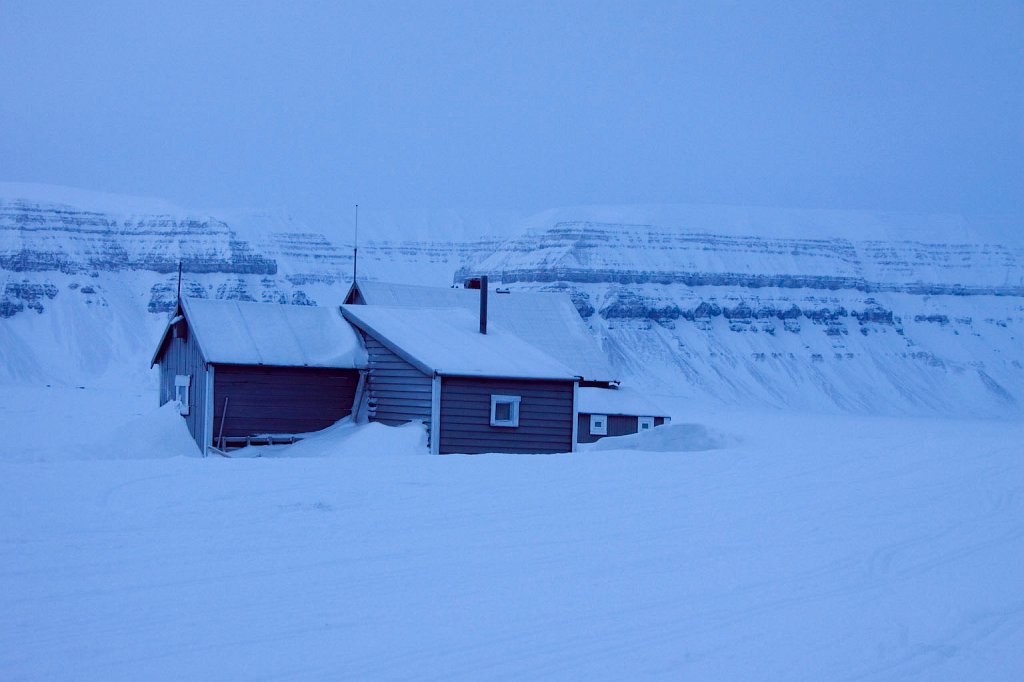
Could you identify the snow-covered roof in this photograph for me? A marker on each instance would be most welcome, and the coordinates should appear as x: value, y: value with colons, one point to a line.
x: 547, y: 321
x: 243, y: 333
x: 448, y: 341
x: 617, y: 401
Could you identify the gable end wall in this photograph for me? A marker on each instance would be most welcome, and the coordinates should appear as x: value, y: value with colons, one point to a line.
x: 183, y: 356
x: 402, y: 392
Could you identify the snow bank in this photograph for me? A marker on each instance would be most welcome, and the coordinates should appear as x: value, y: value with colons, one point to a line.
x: 158, y: 434
x: 668, y: 438
x: 345, y: 439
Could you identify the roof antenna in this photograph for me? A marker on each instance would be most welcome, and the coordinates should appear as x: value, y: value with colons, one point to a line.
x: 179, y: 282
x: 355, y: 249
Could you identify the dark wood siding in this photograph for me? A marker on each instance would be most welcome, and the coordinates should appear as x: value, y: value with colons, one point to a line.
x: 280, y: 400
x: 618, y: 425
x: 180, y: 354
x: 545, y: 416
x: 402, y: 392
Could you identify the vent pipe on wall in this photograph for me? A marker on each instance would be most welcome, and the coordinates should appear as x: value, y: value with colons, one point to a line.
x: 483, y: 304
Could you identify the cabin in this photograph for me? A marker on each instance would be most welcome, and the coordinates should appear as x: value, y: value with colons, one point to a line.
x: 254, y: 373
x: 549, y: 322
x: 546, y: 320
x: 616, y: 411
x: 521, y: 375
x: 477, y: 388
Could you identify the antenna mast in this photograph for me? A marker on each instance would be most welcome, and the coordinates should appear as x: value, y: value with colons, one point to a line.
x: 179, y: 282
x: 355, y: 248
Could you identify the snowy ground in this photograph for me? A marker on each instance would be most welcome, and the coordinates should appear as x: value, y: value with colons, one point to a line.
x: 801, y: 547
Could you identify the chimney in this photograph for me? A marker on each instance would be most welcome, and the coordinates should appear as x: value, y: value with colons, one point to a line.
x: 483, y: 304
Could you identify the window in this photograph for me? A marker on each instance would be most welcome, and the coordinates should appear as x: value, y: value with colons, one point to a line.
x: 599, y: 425
x: 645, y: 423
x: 505, y: 410
x: 182, y: 384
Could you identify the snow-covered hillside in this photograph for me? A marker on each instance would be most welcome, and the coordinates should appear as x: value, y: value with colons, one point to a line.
x: 794, y: 308
x: 87, y: 280
x: 813, y: 309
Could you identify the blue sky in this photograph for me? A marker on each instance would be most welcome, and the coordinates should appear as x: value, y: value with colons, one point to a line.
x: 521, y: 105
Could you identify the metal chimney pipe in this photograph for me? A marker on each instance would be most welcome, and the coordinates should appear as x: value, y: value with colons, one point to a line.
x: 483, y: 304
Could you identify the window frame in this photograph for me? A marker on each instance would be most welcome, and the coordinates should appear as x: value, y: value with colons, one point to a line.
x: 513, y: 402
x: 183, y: 381
x: 640, y: 424
x: 599, y: 430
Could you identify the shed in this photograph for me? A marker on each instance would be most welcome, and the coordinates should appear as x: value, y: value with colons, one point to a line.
x: 476, y: 392
x: 246, y: 371
x: 546, y: 320
x: 615, y: 412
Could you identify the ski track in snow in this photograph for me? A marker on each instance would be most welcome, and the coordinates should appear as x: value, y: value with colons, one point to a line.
x: 813, y: 547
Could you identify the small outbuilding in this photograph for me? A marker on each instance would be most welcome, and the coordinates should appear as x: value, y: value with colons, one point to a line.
x: 246, y: 372
x: 477, y: 388
x: 615, y: 412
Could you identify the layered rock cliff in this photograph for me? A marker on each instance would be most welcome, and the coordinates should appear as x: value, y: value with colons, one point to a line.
x: 829, y: 310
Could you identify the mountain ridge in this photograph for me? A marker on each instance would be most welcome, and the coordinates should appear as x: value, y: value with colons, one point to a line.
x: 758, y: 308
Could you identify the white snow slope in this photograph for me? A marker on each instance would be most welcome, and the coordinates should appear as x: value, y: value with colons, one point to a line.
x: 812, y: 310
x: 801, y: 548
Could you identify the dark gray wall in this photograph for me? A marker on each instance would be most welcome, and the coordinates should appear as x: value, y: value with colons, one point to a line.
x: 180, y: 354
x: 280, y: 399
x: 402, y: 392
x: 618, y: 425
x: 545, y: 416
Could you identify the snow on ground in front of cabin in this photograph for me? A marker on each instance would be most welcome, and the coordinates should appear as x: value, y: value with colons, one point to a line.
x: 800, y: 547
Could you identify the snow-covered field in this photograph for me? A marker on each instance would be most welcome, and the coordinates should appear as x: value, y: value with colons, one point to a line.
x: 815, y: 547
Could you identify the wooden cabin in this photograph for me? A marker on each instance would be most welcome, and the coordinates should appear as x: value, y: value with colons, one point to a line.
x: 247, y: 373
x: 535, y: 381
x: 547, y: 321
x: 476, y: 392
x: 550, y: 323
x: 615, y: 411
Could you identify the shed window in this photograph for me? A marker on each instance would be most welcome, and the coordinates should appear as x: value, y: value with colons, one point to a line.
x: 182, y: 384
x: 505, y: 410
x: 599, y: 425
x: 645, y: 423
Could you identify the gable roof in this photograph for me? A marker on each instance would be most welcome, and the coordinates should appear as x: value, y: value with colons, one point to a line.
x: 547, y: 321
x: 244, y: 333
x: 447, y: 341
x: 622, y: 401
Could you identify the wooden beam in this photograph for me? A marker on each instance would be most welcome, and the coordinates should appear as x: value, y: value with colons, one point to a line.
x: 435, y: 415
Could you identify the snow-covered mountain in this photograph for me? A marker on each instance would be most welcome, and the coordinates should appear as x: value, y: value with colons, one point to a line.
x: 851, y: 310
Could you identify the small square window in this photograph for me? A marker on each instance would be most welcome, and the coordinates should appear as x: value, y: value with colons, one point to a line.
x: 645, y: 423
x: 599, y: 425
x: 505, y: 410
x: 182, y: 384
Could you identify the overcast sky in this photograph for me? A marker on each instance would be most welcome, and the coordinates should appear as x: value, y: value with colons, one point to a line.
x: 521, y: 105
